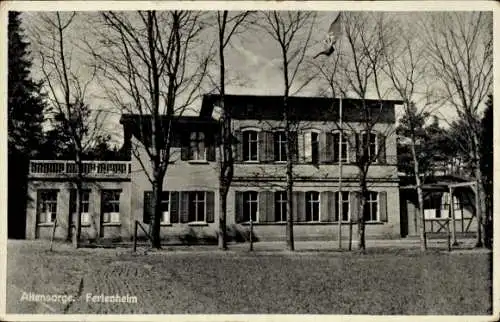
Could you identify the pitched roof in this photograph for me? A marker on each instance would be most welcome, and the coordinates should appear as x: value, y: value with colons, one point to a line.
x: 302, y: 108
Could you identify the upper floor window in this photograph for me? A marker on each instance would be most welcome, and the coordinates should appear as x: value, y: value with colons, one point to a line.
x: 369, y: 140
x: 280, y: 206
x: 343, y: 199
x: 311, y: 147
x: 110, y: 200
x: 340, y: 149
x: 197, y: 146
x: 250, y: 145
x: 370, y: 211
x: 312, y: 206
x: 250, y: 205
x: 47, y: 201
x: 280, y: 146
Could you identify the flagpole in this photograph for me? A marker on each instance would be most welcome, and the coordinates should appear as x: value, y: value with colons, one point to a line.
x: 340, y: 205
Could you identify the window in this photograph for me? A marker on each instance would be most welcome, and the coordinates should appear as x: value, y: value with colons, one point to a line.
x: 370, y: 211
x: 250, y: 205
x: 165, y: 207
x: 340, y: 150
x: 110, y: 200
x: 198, y: 149
x: 369, y: 140
x: 344, y: 204
x: 250, y: 145
x: 197, y: 206
x: 312, y: 206
x: 280, y: 206
x: 48, y: 206
x: 279, y: 146
x: 311, y: 147
x: 85, y: 205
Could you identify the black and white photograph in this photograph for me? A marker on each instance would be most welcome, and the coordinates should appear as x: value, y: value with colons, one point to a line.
x: 228, y: 161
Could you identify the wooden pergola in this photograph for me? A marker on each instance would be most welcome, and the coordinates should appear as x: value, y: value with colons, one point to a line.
x: 444, y: 223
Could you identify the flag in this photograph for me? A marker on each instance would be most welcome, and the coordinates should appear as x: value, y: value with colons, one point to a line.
x: 332, y: 37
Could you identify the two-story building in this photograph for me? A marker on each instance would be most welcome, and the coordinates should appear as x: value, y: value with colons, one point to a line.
x: 191, y: 186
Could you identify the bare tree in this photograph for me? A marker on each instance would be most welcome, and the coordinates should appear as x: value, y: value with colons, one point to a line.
x: 360, y: 76
x: 291, y: 31
x: 67, y: 89
x: 153, y: 64
x: 404, y: 63
x: 460, y: 51
x: 227, y: 26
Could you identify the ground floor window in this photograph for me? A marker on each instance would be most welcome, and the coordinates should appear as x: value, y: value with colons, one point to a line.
x: 280, y: 206
x: 85, y: 205
x: 165, y: 207
x: 250, y: 205
x: 370, y: 211
x: 110, y: 202
x: 312, y: 206
x: 47, y: 205
x: 197, y: 206
x: 343, y: 199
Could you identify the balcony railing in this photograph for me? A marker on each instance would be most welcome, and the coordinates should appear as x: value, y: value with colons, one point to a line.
x: 64, y: 168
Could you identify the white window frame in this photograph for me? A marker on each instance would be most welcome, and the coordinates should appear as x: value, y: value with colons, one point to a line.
x: 85, y: 220
x: 375, y: 160
x: 309, y: 204
x: 250, y: 202
x: 345, y: 144
x: 197, y: 139
x: 369, y: 201
x: 113, y: 217
x: 280, y: 135
x: 280, y: 202
x: 257, y: 132
x: 195, y: 202
x: 308, y: 145
x: 49, y: 216
x: 348, y: 201
x: 165, y: 216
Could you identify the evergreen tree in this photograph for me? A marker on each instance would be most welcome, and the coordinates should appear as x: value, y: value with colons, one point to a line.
x: 25, y: 108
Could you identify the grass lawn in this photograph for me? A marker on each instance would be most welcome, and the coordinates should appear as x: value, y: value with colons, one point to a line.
x: 379, y: 282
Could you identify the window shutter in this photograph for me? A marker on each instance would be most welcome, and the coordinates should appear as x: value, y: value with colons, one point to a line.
x: 210, y: 143
x: 294, y: 146
x: 263, y: 206
x: 353, y: 146
x: 185, y: 152
x: 265, y: 151
x: 269, y: 154
x: 329, y: 147
x: 238, y: 156
x: 382, y: 199
x: 295, y: 204
x: 210, y: 206
x: 322, y: 148
x: 306, y: 148
x: 300, y: 208
x: 354, y: 204
x: 238, y: 206
x: 301, y: 140
x: 331, y: 207
x: 184, y: 209
x: 325, y: 209
x: 147, y: 215
x: 382, y: 158
x: 174, y: 207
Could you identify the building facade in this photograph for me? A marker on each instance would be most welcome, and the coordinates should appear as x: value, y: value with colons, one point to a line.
x: 190, y: 200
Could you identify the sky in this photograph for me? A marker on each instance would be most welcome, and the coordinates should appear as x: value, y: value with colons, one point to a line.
x: 252, y: 60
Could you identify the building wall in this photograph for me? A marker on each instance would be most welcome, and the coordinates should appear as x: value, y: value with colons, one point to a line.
x: 91, y: 231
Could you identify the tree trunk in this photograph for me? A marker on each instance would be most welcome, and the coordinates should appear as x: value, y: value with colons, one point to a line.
x: 156, y: 220
x: 222, y: 217
x: 289, y: 177
x: 480, y: 202
x: 361, y: 217
x: 420, y: 196
x: 78, y: 201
